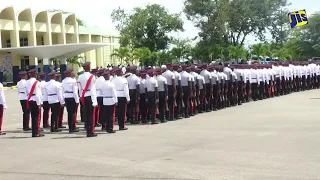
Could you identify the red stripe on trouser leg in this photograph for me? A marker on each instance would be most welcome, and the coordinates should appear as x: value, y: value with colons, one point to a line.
x: 114, y: 115
x: 75, y: 116
x: 1, y: 119
x: 93, y: 119
x: 98, y: 115
x: 62, y: 117
x: 39, y: 120
x: 47, y: 121
x: 28, y: 119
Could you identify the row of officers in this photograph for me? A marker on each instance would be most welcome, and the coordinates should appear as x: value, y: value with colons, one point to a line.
x: 170, y: 93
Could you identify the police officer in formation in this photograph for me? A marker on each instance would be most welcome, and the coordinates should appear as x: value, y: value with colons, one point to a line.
x: 167, y: 93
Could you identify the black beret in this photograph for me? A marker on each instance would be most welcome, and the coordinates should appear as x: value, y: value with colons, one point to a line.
x: 68, y: 71
x: 81, y: 72
x: 32, y: 71
x: 133, y: 68
x: 102, y: 70
x: 23, y: 73
x: 105, y: 73
x: 52, y: 74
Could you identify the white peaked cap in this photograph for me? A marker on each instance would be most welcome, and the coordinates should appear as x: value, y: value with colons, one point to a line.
x: 163, y: 66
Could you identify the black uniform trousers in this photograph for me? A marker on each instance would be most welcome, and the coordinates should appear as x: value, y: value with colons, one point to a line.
x: 261, y: 90
x: 72, y: 112
x: 152, y: 105
x: 240, y: 92
x: 308, y: 82
x: 61, y: 113
x: 186, y: 100
x: 170, y: 102
x: 55, y: 110
x: 45, y: 115
x: 35, y: 117
x: 1, y: 117
x: 132, y: 116
x: 143, y: 108
x: 26, y: 114
x: 248, y: 88
x: 82, y: 112
x: 177, y: 111
x: 99, y: 115
x: 215, y: 95
x: 235, y: 93
x: 278, y: 86
x: 121, y: 111
x: 162, y: 105
x: 202, y: 106
x: 208, y: 97
x: 254, y: 87
x: 89, y: 115
x: 304, y: 82
x: 107, y: 111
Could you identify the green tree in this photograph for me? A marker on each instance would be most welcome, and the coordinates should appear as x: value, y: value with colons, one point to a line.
x: 122, y: 53
x: 146, y: 27
x: 143, y: 55
x: 75, y: 60
x: 236, y: 52
x: 259, y: 49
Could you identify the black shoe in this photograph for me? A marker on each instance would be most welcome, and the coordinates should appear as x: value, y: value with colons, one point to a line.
x: 111, y: 131
x: 103, y: 128
x: 55, y: 130
x: 123, y: 129
x: 92, y: 135
x: 26, y: 129
x: 62, y: 127
x: 164, y: 121
x: 73, y: 131
x: 154, y: 123
x: 37, y: 135
x: 46, y: 126
x: 2, y: 133
x: 187, y: 117
x: 192, y: 115
x: 98, y: 125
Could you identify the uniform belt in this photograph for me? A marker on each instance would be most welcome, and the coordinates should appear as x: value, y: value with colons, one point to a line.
x: 52, y: 94
x: 254, y: 78
x: 107, y: 97
x: 68, y: 92
x: 120, y: 90
x: 22, y: 92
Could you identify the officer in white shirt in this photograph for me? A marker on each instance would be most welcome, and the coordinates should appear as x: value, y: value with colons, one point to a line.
x: 61, y: 112
x: 3, y: 105
x: 110, y: 101
x: 187, y: 89
x: 143, y: 97
x: 71, y: 98
x: 45, y: 106
x: 192, y: 98
x: 99, y: 83
x: 227, y: 71
x: 34, y: 102
x: 202, y: 95
x: 208, y: 83
x: 22, y: 94
x: 239, y: 82
x: 53, y: 92
x: 133, y: 84
x: 196, y: 92
x: 163, y: 94
x: 81, y: 106
x: 234, y: 85
x: 179, y: 96
x: 255, y: 83
x: 172, y: 91
x: 88, y: 96
x: 152, y: 95
x: 122, y: 88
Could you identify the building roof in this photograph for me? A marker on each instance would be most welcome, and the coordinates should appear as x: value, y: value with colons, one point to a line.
x: 55, y: 51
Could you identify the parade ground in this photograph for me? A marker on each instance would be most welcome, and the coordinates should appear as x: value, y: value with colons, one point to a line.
x: 273, y: 139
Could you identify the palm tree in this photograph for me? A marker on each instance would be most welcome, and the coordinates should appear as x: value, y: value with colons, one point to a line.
x: 236, y: 52
x: 259, y: 49
x: 143, y: 55
x: 123, y: 53
x: 75, y: 60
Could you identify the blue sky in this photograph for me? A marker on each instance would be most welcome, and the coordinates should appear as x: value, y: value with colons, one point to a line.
x: 98, y: 12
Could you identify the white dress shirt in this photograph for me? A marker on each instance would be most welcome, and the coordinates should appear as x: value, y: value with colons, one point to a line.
x: 151, y: 84
x: 91, y: 91
x: 133, y: 81
x: 99, y: 84
x: 70, y: 88
x: 43, y: 86
x: 121, y: 85
x: 207, y: 76
x: 200, y: 81
x: 54, y: 92
x: 22, y: 89
x: 142, y: 86
x: 185, y: 78
x: 169, y: 75
x: 109, y: 93
x: 162, y: 82
x: 2, y: 97
x: 177, y: 77
x: 36, y: 95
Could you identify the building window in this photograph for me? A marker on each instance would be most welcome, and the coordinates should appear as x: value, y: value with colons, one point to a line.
x: 42, y: 41
x: 23, y: 42
x: 39, y: 61
x: 8, y: 43
x: 25, y: 63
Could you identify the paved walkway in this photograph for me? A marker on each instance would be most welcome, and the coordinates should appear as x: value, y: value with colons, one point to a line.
x: 272, y: 139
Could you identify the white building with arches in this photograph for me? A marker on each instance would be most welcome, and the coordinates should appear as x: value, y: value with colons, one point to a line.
x: 19, y: 28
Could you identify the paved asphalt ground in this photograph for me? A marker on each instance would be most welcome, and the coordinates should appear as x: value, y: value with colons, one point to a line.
x: 274, y: 139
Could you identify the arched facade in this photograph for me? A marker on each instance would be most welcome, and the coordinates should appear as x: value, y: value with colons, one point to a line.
x: 44, y: 28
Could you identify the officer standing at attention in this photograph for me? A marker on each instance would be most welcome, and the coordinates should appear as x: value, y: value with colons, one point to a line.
x: 163, y: 94
x: 23, y: 96
x: 179, y: 95
x: 71, y: 98
x: 133, y: 84
x: 81, y: 105
x: 187, y: 88
x: 53, y: 93
x: 152, y: 95
x: 99, y: 84
x: 87, y: 83
x: 122, y: 88
x: 61, y: 112
x: 208, y: 83
x: 3, y: 105
x: 109, y: 102
x: 172, y: 91
x: 45, y: 106
x: 34, y: 102
x: 143, y: 103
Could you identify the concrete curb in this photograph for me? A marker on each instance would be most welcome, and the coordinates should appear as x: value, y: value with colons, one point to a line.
x: 8, y: 88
